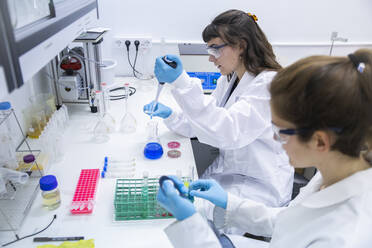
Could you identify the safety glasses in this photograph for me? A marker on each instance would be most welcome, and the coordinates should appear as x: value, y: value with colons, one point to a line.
x: 283, y: 135
x: 215, y: 50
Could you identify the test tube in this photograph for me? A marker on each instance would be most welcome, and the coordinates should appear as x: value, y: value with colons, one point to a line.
x: 116, y: 174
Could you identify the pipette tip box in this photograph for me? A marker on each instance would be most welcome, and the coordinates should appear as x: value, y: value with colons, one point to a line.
x: 85, y: 192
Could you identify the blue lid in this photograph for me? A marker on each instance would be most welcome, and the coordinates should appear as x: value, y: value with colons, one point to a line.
x: 5, y: 105
x: 153, y: 150
x: 48, y: 182
x: 106, y: 159
x: 103, y: 174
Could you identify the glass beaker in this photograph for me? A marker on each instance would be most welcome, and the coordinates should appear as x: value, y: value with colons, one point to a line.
x: 128, y: 123
x: 153, y: 148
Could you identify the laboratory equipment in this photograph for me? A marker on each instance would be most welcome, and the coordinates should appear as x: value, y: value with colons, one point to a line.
x: 128, y: 123
x: 85, y: 192
x: 101, y: 129
x: 30, y: 27
x: 15, y: 203
x: 185, y: 181
x: 132, y: 202
x: 153, y: 148
x: 174, y: 154
x: 119, y: 166
x: 174, y: 144
x: 50, y: 192
x: 7, y: 134
x: 78, y: 71
x: 208, y: 80
x: 161, y: 84
x: 117, y: 174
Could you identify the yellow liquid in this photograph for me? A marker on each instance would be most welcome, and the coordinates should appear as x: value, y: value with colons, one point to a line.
x: 51, y: 200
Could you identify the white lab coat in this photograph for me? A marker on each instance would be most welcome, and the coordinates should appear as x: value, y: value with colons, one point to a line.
x: 251, y: 163
x: 337, y: 216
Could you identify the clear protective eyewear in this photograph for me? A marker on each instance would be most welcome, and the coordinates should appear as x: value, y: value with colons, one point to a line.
x: 214, y: 50
x: 283, y: 135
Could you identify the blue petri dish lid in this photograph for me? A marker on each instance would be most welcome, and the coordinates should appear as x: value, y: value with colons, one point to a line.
x: 153, y: 150
x: 48, y: 182
x: 5, y: 105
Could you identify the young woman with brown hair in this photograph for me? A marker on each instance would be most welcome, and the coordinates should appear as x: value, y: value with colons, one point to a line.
x: 236, y: 117
x: 321, y: 114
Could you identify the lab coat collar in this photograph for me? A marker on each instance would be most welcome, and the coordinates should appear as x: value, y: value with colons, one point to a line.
x: 353, y: 185
x: 246, y: 79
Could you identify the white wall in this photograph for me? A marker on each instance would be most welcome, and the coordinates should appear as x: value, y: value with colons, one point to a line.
x: 296, y: 28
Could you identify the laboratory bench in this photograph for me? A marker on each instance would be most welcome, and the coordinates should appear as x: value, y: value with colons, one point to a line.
x: 81, y: 152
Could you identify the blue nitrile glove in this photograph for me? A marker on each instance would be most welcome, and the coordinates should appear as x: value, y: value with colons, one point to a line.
x: 210, y: 190
x: 170, y: 199
x: 164, y: 72
x: 159, y: 110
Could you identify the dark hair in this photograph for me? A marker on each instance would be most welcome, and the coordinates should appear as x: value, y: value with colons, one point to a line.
x: 236, y: 26
x: 323, y: 92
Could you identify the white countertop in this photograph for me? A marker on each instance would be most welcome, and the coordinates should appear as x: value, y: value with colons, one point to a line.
x: 81, y: 153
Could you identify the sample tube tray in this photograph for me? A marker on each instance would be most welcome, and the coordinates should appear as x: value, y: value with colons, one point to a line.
x: 85, y: 192
x: 136, y: 200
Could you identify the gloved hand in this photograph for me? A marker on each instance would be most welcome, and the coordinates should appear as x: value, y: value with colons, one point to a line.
x: 170, y: 199
x: 159, y: 110
x: 164, y: 72
x: 209, y: 190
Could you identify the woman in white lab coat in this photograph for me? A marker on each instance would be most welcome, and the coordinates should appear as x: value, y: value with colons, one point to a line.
x: 236, y: 117
x: 321, y: 115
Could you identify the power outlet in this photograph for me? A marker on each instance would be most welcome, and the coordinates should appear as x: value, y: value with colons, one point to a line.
x: 145, y: 42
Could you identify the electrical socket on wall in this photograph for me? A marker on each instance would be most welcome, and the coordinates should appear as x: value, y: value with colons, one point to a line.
x: 145, y: 42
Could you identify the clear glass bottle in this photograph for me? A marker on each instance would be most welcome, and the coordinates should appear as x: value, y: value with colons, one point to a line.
x: 50, y: 192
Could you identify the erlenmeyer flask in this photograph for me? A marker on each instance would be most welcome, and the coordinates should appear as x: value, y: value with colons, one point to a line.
x: 101, y: 129
x: 153, y: 148
x: 128, y: 123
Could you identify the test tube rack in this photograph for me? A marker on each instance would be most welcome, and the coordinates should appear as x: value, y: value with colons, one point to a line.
x: 136, y: 200
x: 85, y: 192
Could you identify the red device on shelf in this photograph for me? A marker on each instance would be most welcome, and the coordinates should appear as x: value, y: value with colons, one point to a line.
x: 85, y: 192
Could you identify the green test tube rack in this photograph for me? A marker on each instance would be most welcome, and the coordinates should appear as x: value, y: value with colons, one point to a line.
x: 135, y: 199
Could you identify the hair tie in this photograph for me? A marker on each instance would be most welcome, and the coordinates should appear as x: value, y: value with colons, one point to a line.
x: 358, y: 65
x: 254, y: 17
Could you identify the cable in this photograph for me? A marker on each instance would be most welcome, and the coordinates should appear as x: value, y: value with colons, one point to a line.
x: 136, y: 43
x: 18, y: 238
x: 132, y: 91
x: 82, y: 57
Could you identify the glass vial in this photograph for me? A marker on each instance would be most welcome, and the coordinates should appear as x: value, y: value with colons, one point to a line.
x: 50, y: 193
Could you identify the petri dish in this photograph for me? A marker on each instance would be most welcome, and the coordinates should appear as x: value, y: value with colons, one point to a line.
x: 174, y: 154
x: 174, y: 144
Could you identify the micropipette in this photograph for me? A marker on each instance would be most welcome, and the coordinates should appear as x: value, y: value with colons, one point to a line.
x: 172, y: 64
